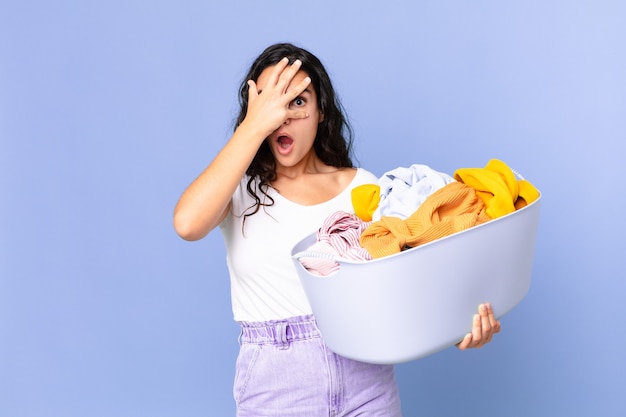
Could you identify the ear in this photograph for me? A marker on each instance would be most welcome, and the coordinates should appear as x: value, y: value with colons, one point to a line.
x: 321, y: 118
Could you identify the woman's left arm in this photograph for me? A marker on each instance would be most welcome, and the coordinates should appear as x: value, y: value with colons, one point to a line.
x: 484, y: 327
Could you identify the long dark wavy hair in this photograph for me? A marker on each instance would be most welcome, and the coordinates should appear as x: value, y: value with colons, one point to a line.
x: 333, y: 141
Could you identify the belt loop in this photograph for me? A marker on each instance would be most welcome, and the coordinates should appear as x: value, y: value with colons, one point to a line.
x: 281, y: 336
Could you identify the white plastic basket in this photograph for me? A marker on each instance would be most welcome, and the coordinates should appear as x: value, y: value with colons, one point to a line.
x: 420, y: 301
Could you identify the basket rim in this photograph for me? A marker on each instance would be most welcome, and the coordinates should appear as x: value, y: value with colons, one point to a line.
x: 297, y: 255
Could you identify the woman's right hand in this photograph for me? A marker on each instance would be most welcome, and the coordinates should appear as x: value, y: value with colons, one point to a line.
x: 206, y: 201
x: 269, y: 97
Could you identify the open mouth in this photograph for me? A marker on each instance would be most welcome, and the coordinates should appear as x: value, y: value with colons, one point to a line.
x: 285, y: 143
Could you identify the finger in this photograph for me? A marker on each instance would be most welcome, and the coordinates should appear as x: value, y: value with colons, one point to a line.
x: 495, y: 324
x: 299, y: 88
x: 297, y: 114
x: 485, y: 323
x: 477, y: 331
x: 277, y: 71
x: 252, y: 90
x: 287, y: 75
x: 465, y: 343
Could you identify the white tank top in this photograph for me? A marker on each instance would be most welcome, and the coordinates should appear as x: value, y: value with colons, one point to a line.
x: 264, y: 282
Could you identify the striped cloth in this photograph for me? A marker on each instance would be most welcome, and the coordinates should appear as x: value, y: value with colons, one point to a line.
x: 338, y: 237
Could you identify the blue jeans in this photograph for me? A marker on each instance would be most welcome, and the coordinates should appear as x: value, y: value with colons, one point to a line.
x: 285, y: 369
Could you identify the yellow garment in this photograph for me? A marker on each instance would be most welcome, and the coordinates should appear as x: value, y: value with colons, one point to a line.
x: 365, y: 199
x: 450, y: 209
x: 498, y: 187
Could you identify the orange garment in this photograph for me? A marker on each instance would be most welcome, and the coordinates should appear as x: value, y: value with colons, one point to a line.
x: 498, y: 187
x: 452, y: 208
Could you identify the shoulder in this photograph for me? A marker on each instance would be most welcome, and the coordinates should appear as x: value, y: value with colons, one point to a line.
x: 364, y: 176
x: 241, y: 199
x: 348, y: 178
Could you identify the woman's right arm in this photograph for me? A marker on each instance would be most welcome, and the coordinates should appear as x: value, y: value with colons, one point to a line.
x: 204, y: 204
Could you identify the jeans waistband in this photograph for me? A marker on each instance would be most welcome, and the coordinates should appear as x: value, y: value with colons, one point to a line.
x: 279, y: 332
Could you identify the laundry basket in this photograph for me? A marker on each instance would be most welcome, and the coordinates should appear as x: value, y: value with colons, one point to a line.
x: 417, y: 302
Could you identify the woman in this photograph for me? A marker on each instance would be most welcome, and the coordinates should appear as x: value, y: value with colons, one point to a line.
x: 286, y: 168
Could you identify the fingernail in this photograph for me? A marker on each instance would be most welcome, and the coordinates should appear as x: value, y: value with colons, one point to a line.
x: 297, y: 61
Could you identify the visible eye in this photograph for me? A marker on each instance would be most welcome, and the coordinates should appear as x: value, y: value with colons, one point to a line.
x: 299, y: 101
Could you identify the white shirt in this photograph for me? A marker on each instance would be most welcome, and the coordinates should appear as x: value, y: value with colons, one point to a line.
x: 264, y: 282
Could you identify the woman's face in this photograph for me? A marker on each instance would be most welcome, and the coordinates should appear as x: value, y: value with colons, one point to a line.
x: 292, y: 143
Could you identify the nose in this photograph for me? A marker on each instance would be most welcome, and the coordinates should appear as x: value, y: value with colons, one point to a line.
x: 287, y: 121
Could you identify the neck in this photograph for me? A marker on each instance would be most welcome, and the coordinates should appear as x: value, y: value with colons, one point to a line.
x: 309, y: 165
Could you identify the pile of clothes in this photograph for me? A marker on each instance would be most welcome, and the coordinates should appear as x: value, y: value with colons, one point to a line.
x: 409, y: 207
